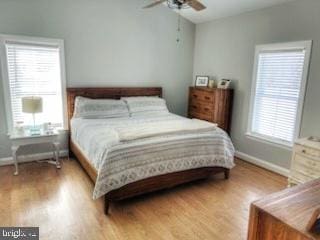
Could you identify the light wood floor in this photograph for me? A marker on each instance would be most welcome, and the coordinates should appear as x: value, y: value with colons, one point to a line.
x: 60, y: 203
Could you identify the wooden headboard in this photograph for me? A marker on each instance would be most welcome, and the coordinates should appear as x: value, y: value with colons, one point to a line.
x: 112, y: 93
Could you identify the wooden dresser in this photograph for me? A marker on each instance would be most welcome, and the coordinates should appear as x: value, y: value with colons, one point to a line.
x: 305, y: 164
x: 285, y: 215
x: 211, y: 104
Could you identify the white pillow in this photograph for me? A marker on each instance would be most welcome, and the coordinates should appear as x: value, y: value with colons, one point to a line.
x: 146, y: 105
x: 99, y: 108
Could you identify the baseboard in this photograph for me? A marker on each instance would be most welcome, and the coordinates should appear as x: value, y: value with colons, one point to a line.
x: 32, y: 157
x: 262, y: 163
x: 64, y: 153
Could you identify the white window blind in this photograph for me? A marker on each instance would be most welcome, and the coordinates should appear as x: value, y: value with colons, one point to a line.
x: 34, y: 70
x: 278, y: 91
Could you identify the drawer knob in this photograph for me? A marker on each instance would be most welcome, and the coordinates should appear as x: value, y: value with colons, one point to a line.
x: 207, y: 98
x: 195, y: 96
x: 195, y: 107
x: 304, y: 151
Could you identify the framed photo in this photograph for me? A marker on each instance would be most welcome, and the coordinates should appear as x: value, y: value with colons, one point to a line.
x: 202, y: 81
x: 224, y: 83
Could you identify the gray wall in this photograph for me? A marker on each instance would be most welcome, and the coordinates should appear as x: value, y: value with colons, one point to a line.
x: 108, y: 43
x: 225, y: 49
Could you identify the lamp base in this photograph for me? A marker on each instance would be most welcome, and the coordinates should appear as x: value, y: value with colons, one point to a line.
x: 34, y: 131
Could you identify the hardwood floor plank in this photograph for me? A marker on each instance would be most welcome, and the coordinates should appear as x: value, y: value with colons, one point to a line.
x: 60, y: 203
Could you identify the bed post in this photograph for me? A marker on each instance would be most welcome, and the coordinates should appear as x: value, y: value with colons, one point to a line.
x: 226, y: 173
x: 106, y: 205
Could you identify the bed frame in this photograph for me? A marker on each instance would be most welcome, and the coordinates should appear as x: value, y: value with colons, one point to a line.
x: 143, y: 186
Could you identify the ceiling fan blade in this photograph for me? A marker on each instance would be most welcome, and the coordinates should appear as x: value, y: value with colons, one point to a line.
x: 196, y: 5
x: 155, y: 3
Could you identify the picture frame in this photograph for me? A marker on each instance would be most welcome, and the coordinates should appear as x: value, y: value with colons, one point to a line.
x: 202, y: 81
x: 224, y: 83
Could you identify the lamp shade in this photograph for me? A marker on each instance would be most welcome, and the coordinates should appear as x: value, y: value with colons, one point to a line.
x: 32, y: 104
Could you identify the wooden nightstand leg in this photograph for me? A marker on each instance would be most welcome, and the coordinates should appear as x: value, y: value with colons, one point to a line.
x: 57, y: 154
x: 14, y: 150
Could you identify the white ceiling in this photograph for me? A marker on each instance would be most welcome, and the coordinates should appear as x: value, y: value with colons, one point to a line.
x: 225, y: 8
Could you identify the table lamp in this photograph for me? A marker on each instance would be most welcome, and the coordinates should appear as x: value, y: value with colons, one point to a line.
x: 32, y: 105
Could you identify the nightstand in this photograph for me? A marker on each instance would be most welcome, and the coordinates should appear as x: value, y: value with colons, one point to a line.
x: 305, y: 164
x: 18, y: 141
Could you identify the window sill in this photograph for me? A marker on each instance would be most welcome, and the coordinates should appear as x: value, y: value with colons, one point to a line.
x: 272, y: 142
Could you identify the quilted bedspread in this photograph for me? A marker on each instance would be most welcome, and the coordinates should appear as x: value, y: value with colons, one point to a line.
x: 126, y: 150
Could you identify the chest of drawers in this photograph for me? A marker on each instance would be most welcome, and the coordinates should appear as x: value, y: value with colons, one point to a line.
x: 305, y: 164
x: 213, y: 105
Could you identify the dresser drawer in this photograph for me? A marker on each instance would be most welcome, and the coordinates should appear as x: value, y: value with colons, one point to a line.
x: 300, y: 177
x: 202, y: 95
x: 202, y: 116
x: 201, y: 107
x: 307, y: 151
x: 307, y: 165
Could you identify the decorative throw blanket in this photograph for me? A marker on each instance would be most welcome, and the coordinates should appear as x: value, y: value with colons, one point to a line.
x: 162, y: 128
x: 122, y: 158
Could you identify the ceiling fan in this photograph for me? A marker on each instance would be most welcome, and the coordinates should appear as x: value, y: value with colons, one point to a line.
x: 179, y: 4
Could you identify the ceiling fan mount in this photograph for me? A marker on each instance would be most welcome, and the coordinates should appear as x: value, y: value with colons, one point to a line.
x: 176, y: 4
x: 179, y: 4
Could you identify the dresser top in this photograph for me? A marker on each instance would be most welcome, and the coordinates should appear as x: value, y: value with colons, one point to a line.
x: 306, y: 142
x: 210, y: 89
x: 294, y: 206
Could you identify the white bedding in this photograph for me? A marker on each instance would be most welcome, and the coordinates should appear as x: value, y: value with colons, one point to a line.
x: 161, y: 128
x: 125, y: 150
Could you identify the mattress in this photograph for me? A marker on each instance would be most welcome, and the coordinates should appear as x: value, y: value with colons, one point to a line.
x: 122, y: 161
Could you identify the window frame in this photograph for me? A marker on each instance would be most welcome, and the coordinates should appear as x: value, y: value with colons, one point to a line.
x: 59, y: 43
x: 305, y: 45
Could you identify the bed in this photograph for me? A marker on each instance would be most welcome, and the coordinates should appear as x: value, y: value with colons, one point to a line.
x: 125, y: 158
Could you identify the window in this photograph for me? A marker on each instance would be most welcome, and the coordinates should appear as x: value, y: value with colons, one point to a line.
x: 33, y: 67
x: 278, y: 90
